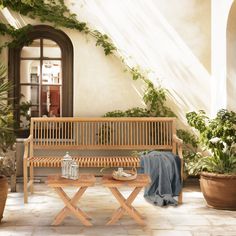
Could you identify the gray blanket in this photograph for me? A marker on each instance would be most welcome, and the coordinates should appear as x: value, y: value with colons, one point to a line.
x: 164, y: 170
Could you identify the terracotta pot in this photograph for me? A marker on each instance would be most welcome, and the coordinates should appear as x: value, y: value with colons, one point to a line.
x: 3, y: 194
x: 219, y: 190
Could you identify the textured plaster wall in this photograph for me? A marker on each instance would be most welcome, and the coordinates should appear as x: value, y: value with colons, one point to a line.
x: 219, y: 93
x: 231, y: 59
x: 192, y: 21
x: 182, y: 58
x: 172, y: 38
x: 100, y: 83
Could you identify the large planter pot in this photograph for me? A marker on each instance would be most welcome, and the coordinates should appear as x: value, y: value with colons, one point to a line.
x: 219, y: 190
x: 3, y: 194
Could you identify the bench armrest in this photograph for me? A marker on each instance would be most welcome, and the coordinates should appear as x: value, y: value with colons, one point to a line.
x: 179, y: 143
x: 177, y: 139
x: 27, y: 142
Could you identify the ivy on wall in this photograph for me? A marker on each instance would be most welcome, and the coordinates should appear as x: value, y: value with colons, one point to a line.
x: 56, y: 12
x: 18, y: 36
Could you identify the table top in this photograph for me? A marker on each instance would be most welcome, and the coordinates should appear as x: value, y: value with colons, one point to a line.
x: 141, y: 181
x: 83, y: 180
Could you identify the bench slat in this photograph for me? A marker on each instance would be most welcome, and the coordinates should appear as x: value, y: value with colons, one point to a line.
x: 89, y: 161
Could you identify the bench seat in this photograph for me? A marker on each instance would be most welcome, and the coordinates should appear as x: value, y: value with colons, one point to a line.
x: 87, y: 161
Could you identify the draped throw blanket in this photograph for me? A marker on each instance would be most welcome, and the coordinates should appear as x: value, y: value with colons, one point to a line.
x: 164, y: 171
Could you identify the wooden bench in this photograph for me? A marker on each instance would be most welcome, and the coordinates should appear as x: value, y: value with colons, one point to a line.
x: 96, y: 135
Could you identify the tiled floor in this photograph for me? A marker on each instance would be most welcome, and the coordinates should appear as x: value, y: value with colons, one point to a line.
x: 191, y: 218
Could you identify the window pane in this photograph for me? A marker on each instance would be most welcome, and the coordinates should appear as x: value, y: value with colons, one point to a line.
x: 29, y: 95
x: 32, y: 50
x: 51, y: 72
x: 51, y: 101
x: 29, y: 71
x: 51, y: 49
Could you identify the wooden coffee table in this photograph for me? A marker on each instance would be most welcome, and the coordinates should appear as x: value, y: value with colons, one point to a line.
x: 141, y: 181
x: 57, y: 183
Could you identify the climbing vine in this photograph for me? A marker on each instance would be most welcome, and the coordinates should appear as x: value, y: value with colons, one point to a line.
x: 18, y: 36
x: 57, y: 13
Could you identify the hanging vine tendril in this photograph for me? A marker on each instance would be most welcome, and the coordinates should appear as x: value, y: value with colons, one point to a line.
x: 57, y: 13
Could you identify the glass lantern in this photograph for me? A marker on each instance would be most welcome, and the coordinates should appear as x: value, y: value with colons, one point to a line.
x: 74, y: 170
x: 65, y: 165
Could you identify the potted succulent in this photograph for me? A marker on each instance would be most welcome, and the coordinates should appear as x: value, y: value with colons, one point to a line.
x: 218, y: 167
x: 7, y: 138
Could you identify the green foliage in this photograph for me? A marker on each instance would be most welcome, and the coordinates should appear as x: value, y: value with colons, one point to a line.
x: 137, y: 74
x: 155, y: 100
x: 133, y: 112
x: 104, y: 134
x: 218, y: 135
x: 115, y: 113
x: 189, y: 139
x: 7, y: 163
x: 190, y: 150
x: 24, y: 112
x: 137, y: 112
x: 18, y: 36
x: 56, y: 12
x: 7, y: 137
x: 104, y: 41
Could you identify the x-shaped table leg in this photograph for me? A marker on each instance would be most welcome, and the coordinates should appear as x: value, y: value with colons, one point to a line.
x: 71, y: 207
x: 125, y: 206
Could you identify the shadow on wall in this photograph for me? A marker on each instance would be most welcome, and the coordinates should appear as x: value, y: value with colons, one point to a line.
x: 231, y: 59
x: 141, y: 31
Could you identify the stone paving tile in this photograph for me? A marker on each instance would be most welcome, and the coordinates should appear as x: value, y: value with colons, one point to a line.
x: 171, y: 233
x: 16, y: 231
x: 201, y: 234
x: 226, y: 233
x: 191, y: 218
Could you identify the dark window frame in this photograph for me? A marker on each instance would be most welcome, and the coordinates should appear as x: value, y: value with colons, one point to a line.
x: 67, y: 54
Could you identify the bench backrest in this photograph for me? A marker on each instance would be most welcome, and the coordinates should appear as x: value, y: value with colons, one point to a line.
x: 103, y: 133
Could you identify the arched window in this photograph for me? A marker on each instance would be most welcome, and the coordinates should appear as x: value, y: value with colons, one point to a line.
x: 42, y: 74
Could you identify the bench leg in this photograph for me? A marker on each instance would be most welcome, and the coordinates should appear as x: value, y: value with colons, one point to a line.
x: 180, y: 197
x: 13, y: 182
x: 25, y: 181
x: 31, y: 179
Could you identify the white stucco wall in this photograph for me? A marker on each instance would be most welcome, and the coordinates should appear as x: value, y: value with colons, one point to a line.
x: 220, y: 11
x: 165, y: 37
x: 231, y: 59
x: 177, y: 48
x: 100, y: 83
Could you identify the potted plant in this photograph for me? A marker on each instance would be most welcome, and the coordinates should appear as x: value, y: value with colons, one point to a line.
x: 217, y: 168
x: 7, y: 138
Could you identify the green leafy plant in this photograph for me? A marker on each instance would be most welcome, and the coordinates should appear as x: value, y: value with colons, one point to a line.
x: 54, y: 11
x: 18, y: 36
x: 191, y: 152
x: 218, y: 136
x: 7, y: 137
x: 155, y: 100
x: 24, y: 112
